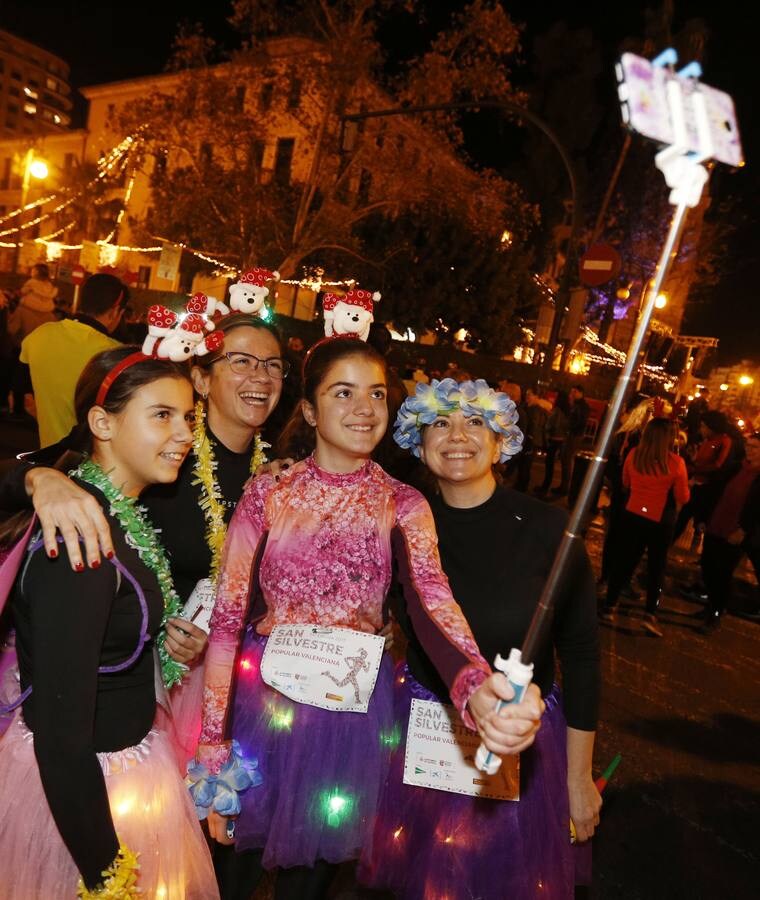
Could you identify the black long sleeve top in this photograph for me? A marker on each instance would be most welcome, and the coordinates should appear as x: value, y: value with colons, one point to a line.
x: 175, y: 510
x: 497, y: 557
x: 69, y: 625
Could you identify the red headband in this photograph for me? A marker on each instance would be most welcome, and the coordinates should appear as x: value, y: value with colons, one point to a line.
x: 115, y: 372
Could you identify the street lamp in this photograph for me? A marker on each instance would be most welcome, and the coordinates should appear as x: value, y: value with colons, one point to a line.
x: 38, y: 169
x: 34, y: 167
x: 661, y: 301
x: 745, y: 381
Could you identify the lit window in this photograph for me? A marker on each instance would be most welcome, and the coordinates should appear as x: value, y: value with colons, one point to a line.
x: 30, y: 109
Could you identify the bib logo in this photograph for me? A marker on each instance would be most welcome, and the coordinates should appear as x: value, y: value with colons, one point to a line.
x: 356, y: 664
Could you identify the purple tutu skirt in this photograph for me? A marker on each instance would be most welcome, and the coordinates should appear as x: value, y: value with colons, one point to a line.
x: 322, y: 771
x: 430, y: 845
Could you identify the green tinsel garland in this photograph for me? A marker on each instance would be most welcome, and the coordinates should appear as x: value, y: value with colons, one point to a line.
x: 141, y: 535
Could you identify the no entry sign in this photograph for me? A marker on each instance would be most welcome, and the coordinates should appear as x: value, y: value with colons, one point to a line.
x: 599, y: 264
x: 78, y: 274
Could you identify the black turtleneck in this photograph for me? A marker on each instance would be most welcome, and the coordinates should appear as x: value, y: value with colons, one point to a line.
x: 497, y: 556
x: 175, y: 509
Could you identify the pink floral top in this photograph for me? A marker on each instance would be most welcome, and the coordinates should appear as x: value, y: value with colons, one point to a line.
x: 329, y: 541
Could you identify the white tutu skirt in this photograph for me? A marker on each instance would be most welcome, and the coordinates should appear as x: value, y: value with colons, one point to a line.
x: 151, y: 810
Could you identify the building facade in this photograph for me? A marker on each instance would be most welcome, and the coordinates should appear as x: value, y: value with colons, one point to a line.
x: 34, y: 89
x: 282, y: 95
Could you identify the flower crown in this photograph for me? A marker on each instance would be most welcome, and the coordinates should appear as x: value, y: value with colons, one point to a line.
x: 473, y: 398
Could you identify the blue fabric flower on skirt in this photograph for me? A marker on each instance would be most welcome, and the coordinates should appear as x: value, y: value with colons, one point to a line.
x: 221, y: 792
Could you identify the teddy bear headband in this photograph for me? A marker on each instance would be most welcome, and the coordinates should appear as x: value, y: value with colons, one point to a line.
x: 472, y: 398
x: 349, y: 314
x: 178, y: 337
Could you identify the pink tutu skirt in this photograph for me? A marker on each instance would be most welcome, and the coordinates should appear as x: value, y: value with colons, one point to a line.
x: 9, y: 681
x: 151, y: 810
x: 182, y: 722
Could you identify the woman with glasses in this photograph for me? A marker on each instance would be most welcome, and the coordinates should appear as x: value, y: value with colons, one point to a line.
x: 238, y: 387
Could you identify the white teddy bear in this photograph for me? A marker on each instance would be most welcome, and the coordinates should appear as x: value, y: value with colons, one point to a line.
x: 169, y: 338
x: 351, y: 314
x: 248, y: 294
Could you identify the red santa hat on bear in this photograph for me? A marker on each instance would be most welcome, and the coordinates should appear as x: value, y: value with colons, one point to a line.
x: 352, y: 313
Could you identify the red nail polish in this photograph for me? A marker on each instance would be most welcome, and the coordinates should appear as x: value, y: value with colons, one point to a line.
x: 95, y: 564
x: 53, y: 554
x: 79, y: 567
x: 110, y: 554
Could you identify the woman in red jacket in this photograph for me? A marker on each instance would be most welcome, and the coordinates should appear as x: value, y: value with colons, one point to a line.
x: 658, y: 484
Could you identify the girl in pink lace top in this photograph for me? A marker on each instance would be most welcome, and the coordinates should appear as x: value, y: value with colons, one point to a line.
x: 315, y: 545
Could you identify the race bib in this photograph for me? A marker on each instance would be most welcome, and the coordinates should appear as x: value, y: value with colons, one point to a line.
x: 333, y: 668
x: 200, y: 604
x: 440, y: 754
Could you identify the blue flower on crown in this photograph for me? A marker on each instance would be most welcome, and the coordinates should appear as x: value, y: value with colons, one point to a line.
x: 432, y: 400
x: 473, y: 398
x: 511, y: 442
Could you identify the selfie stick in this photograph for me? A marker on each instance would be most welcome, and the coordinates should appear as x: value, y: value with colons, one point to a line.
x: 686, y: 176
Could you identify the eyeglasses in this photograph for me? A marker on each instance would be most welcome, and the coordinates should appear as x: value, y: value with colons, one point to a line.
x: 246, y: 363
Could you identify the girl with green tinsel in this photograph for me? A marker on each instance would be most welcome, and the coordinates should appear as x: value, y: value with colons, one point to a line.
x: 103, y: 811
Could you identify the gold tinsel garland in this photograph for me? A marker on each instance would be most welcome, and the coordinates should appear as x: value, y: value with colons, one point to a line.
x: 204, y: 471
x: 119, y: 879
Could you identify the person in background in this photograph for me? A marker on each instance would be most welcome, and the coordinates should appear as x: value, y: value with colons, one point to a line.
x: 536, y: 416
x: 707, y: 471
x: 732, y: 531
x: 513, y: 390
x: 694, y: 412
x: 37, y: 304
x: 579, y: 414
x: 295, y: 346
x: 57, y: 352
x: 628, y: 435
x: 36, y: 307
x: 657, y: 481
x: 557, y: 425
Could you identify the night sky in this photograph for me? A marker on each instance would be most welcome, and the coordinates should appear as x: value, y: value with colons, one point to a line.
x: 106, y: 41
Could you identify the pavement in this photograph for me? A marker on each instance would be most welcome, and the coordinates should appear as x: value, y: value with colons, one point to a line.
x: 681, y: 816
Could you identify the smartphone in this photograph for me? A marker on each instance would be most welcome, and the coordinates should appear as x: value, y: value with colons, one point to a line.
x: 644, y: 105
